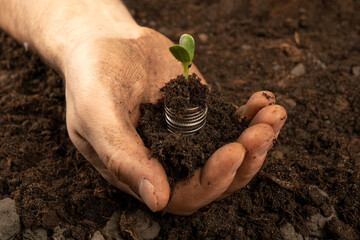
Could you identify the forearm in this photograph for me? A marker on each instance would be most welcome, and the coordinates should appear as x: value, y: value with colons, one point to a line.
x: 55, y: 28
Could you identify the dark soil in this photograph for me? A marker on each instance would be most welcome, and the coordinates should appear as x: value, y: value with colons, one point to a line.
x: 182, y: 155
x: 181, y: 94
x: 242, y: 47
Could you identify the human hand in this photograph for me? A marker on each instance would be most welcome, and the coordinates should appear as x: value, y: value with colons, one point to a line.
x: 233, y: 166
x: 107, y: 80
x: 110, y: 66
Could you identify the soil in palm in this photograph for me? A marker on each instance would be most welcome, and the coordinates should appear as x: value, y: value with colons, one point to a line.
x: 181, y: 155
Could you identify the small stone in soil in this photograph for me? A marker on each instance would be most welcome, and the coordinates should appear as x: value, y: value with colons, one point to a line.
x: 356, y: 71
x: 288, y: 232
x: 203, y: 37
x: 98, y: 236
x: 10, y: 220
x: 112, y: 226
x: 317, y: 222
x: 276, y: 67
x: 145, y: 226
x: 37, y: 234
x: 298, y: 70
x: 58, y: 233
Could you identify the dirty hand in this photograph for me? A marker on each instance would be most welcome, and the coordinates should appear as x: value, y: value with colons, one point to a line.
x: 233, y: 166
x: 108, y: 79
x: 110, y: 66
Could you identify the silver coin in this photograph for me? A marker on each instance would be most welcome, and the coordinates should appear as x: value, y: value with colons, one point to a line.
x: 192, y: 120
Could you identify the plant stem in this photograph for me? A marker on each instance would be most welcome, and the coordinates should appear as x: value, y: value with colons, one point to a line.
x: 185, y: 70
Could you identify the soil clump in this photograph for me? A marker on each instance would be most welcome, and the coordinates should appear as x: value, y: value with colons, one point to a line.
x: 246, y: 46
x: 182, y: 155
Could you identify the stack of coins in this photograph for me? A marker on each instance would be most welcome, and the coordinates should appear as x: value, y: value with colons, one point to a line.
x: 193, y: 119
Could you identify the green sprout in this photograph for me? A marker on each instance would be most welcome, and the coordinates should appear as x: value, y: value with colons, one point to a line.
x: 184, y: 52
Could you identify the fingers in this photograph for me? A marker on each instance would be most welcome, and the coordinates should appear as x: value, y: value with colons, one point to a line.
x: 209, y: 182
x: 129, y: 161
x: 274, y: 115
x: 257, y: 101
x: 257, y: 140
x: 117, y: 150
x: 266, y: 121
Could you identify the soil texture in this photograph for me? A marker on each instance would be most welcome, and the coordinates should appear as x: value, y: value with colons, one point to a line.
x: 306, y: 52
x: 182, y: 155
x: 181, y: 93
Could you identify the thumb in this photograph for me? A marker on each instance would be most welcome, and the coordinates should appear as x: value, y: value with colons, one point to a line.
x: 110, y: 142
x: 142, y: 173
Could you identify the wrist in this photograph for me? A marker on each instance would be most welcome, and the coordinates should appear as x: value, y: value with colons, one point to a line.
x: 55, y: 29
x: 83, y: 23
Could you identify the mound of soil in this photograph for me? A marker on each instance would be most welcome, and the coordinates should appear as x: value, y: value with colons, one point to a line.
x: 306, y: 52
x: 181, y: 93
x: 181, y: 155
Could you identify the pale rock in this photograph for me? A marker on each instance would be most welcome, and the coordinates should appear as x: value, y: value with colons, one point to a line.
x: 37, y: 234
x: 10, y: 220
x: 111, y: 228
x: 98, y: 236
x: 203, y: 37
x: 356, y: 71
x: 58, y: 233
x: 288, y: 232
x: 276, y: 67
x: 145, y: 226
x: 317, y: 222
x: 26, y: 46
x: 298, y: 70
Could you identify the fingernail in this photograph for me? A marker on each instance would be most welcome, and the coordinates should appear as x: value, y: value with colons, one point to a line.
x: 263, y: 149
x: 146, y: 191
x: 239, y: 113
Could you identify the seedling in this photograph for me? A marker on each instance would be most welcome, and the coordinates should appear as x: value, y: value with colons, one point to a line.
x: 184, y: 52
x: 192, y: 118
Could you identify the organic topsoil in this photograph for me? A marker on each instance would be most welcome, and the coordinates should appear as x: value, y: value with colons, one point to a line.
x: 180, y: 154
x: 306, y: 52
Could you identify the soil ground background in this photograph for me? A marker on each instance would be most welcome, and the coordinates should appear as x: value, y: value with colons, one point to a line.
x: 306, y: 52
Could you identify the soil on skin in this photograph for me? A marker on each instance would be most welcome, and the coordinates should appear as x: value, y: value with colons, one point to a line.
x: 182, y: 155
x: 242, y: 47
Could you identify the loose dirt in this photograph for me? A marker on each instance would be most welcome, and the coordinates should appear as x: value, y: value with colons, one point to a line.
x: 243, y: 47
x: 182, y: 155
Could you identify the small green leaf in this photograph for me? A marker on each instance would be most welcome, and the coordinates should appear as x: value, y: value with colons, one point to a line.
x: 188, y: 42
x: 180, y: 53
